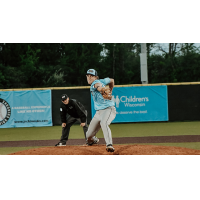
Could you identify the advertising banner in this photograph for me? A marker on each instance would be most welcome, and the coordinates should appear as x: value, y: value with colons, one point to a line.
x: 27, y: 108
x: 139, y: 104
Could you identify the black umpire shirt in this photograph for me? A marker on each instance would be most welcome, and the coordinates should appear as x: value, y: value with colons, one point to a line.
x: 74, y: 109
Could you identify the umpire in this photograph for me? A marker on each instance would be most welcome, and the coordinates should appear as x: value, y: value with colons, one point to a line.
x: 76, y: 112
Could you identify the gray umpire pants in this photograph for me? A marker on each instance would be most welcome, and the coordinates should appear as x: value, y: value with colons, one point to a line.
x: 102, y: 119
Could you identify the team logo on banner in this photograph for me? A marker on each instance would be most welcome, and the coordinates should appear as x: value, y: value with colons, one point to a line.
x: 116, y: 100
x: 5, y: 111
x: 129, y: 101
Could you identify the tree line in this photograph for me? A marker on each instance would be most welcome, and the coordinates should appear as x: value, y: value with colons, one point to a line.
x: 33, y: 65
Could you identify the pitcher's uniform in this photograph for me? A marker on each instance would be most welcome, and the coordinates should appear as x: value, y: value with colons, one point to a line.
x: 105, y: 113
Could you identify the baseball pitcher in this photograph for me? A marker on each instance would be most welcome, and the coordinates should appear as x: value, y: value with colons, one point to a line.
x: 104, y: 106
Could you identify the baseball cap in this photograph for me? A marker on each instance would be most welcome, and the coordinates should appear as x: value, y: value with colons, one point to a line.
x: 92, y: 72
x: 63, y: 97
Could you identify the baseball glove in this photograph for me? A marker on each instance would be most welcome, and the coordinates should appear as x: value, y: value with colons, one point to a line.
x: 106, y: 93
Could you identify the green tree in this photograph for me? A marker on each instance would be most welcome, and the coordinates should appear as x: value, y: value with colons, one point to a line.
x: 122, y: 62
x: 29, y: 66
x: 76, y: 59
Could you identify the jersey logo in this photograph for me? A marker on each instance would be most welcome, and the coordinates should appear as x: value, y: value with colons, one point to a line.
x: 60, y: 109
x: 70, y: 107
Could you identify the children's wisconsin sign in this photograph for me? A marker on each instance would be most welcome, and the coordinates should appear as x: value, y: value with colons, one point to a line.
x: 140, y: 104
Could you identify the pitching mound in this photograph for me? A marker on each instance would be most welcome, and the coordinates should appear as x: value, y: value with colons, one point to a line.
x: 119, y: 150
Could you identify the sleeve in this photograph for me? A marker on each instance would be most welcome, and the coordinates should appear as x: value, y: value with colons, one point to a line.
x: 92, y: 86
x: 63, y: 114
x: 80, y: 111
x: 105, y: 81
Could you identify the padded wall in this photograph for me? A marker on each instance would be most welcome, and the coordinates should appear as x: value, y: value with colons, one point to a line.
x: 184, y: 102
x: 82, y: 95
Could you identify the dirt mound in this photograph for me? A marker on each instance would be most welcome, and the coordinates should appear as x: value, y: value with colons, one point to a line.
x: 119, y: 150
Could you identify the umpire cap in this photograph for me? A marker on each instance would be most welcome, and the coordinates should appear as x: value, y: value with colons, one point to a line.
x: 92, y: 72
x: 63, y: 97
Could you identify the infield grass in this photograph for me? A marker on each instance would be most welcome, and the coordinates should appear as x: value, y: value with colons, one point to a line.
x: 118, y: 130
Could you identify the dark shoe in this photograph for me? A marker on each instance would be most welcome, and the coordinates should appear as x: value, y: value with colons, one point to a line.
x: 95, y: 140
x: 110, y: 148
x: 60, y: 144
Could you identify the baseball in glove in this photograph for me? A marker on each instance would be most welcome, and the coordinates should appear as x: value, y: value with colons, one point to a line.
x: 106, y: 93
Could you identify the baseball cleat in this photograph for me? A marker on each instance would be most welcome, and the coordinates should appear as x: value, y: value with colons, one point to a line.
x: 61, y: 144
x: 95, y: 141
x: 110, y: 148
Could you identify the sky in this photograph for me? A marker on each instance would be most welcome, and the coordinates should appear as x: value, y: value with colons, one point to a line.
x: 165, y: 47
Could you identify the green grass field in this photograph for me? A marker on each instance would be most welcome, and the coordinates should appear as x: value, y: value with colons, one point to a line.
x: 118, y: 130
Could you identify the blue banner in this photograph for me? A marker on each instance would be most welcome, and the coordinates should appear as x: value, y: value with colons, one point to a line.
x: 139, y: 103
x: 26, y: 108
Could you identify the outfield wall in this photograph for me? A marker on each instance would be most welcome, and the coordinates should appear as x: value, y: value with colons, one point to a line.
x: 80, y: 94
x: 183, y: 102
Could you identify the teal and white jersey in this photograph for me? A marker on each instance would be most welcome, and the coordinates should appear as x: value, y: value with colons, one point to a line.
x: 99, y: 102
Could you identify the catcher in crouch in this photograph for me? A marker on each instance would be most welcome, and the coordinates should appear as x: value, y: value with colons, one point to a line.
x: 104, y: 106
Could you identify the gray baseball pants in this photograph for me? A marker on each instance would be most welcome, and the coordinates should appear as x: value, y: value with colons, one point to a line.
x: 102, y: 119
